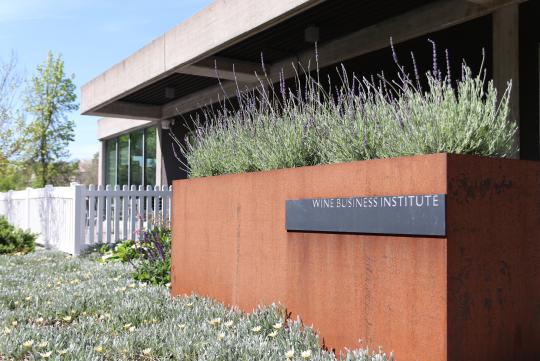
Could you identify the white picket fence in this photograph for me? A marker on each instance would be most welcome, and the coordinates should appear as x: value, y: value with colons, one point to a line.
x: 71, y: 218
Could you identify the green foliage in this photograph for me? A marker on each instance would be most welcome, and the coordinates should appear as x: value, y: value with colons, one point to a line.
x: 77, y: 309
x: 15, y: 240
x: 150, y: 255
x: 357, y: 120
x: 157, y: 272
x: 121, y: 252
x: 50, y: 95
x: 15, y: 176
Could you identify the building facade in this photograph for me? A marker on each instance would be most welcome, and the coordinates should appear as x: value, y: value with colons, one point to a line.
x: 205, y: 59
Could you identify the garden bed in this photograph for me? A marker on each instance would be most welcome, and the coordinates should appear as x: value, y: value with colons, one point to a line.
x: 53, y: 306
x: 462, y: 294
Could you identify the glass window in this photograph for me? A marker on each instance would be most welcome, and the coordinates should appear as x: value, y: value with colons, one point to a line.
x: 123, y: 160
x: 150, y: 156
x: 110, y: 170
x: 136, y: 157
x: 131, y: 159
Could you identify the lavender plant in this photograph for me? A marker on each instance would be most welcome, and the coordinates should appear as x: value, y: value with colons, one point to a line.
x: 358, y: 119
x: 154, y: 247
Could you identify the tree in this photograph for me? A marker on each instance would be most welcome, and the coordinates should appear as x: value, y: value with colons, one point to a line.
x: 49, y: 97
x: 10, y: 119
x: 88, y: 170
x: 14, y: 174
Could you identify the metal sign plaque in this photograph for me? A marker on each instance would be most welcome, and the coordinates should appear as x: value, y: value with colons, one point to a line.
x: 422, y: 215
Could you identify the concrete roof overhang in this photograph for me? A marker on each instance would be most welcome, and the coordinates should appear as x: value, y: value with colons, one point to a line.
x: 209, y: 56
x: 222, y: 23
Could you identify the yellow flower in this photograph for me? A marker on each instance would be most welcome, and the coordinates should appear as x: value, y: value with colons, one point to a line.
x: 39, y: 320
x: 14, y: 323
x: 63, y: 352
x: 221, y: 335
x: 49, y: 285
x: 66, y: 318
x: 168, y: 285
x: 189, y: 304
x: 99, y: 349
x: 43, y: 344
x: 146, y: 351
x: 256, y: 329
x: 132, y: 328
x: 273, y: 334
x: 229, y: 323
x: 214, y: 321
x: 127, y: 325
x: 289, y: 354
x: 306, y: 354
x: 84, y: 313
x: 16, y: 303
x: 132, y: 285
x: 278, y: 325
x: 28, y: 344
x: 46, y: 354
x: 29, y: 298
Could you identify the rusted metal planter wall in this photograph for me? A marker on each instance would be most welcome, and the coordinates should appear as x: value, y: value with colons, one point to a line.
x: 474, y: 295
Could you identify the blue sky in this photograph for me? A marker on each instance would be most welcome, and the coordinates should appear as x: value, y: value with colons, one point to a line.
x: 91, y: 35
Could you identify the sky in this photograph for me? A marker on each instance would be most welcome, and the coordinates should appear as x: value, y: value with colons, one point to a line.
x: 91, y: 35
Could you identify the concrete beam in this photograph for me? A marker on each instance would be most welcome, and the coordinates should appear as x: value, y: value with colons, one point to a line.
x: 424, y: 20
x: 110, y: 127
x: 204, y: 97
x: 121, y: 109
x: 204, y: 34
x: 224, y: 69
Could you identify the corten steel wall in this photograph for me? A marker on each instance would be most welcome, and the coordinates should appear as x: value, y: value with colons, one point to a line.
x: 471, y: 296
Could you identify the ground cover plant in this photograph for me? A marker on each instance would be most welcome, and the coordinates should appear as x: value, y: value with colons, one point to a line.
x: 13, y: 239
x: 57, y: 307
x: 357, y: 119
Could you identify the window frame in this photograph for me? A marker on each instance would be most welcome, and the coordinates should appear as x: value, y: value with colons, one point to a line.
x: 114, y: 141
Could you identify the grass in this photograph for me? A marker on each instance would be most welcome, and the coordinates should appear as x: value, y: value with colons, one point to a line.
x: 57, y: 307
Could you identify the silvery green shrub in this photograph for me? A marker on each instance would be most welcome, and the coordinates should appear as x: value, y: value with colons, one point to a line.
x: 356, y: 120
x: 58, y: 307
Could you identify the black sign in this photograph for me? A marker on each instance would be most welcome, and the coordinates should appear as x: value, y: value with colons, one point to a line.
x: 423, y: 215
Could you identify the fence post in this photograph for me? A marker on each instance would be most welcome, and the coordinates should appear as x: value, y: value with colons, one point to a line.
x: 79, y: 209
x: 48, y: 196
x: 28, y: 189
x: 9, y: 207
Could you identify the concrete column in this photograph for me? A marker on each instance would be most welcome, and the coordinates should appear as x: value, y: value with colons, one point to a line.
x: 506, y: 56
x: 161, y: 174
x: 101, y: 163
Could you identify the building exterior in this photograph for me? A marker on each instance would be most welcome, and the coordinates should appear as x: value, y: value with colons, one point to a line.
x: 204, y: 59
